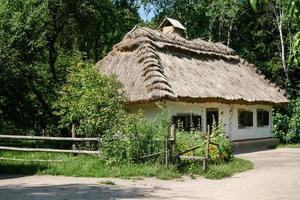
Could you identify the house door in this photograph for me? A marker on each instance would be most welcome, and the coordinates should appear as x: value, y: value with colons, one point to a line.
x: 212, y: 115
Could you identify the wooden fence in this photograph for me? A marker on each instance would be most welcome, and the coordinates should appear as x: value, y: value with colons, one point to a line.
x: 170, y: 150
x: 69, y: 139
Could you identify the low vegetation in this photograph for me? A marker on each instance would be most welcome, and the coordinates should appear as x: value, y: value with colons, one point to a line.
x: 121, y: 152
x: 287, y: 125
x: 295, y: 145
x: 92, y: 166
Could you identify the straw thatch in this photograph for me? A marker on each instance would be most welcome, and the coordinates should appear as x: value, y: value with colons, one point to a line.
x: 155, y: 66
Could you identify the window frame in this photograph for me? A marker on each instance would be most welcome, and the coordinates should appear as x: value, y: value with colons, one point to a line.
x: 239, y: 120
x: 263, y: 118
x: 188, y: 115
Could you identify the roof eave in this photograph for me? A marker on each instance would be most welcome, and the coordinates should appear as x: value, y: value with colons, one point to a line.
x: 209, y: 100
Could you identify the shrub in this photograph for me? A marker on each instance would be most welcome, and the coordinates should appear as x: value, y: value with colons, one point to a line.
x: 89, y: 100
x: 287, y: 126
x: 134, y: 138
x: 219, y: 151
x: 223, y: 151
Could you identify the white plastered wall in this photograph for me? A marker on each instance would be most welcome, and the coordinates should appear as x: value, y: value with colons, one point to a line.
x: 251, y: 132
x: 228, y: 114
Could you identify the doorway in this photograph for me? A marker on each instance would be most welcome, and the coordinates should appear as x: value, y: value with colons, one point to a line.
x: 212, y: 115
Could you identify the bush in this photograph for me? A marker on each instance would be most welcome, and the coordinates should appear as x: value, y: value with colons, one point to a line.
x: 219, y: 151
x: 134, y: 138
x: 89, y: 100
x: 223, y: 151
x: 287, y: 126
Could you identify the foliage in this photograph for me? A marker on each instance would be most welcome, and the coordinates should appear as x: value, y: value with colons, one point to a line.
x: 223, y: 150
x: 89, y: 166
x: 38, y: 40
x: 81, y: 165
x: 219, y: 151
x: 134, y: 138
x: 218, y: 171
x: 295, y: 145
x: 287, y: 126
x: 90, y: 101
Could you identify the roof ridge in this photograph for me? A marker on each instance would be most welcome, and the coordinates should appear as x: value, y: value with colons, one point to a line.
x: 142, y: 35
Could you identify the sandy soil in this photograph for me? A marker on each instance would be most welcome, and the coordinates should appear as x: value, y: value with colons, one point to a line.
x: 276, y: 176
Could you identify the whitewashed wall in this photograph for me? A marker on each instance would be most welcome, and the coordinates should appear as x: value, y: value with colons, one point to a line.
x: 251, y: 132
x: 228, y: 114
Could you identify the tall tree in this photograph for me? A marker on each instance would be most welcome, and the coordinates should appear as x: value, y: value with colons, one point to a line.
x: 39, y: 39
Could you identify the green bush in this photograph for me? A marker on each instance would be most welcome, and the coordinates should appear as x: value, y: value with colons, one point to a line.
x: 134, y: 138
x: 287, y: 126
x: 219, y: 151
x: 223, y: 151
x: 89, y: 100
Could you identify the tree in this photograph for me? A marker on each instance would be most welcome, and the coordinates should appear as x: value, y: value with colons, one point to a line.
x: 91, y: 102
x: 38, y: 42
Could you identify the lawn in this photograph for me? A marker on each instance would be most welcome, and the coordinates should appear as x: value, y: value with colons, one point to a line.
x: 92, y: 166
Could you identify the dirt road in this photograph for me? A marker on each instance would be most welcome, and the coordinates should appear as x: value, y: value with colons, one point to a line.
x: 276, y: 176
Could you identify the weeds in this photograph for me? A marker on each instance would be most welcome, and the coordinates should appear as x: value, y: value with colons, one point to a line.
x: 88, y: 166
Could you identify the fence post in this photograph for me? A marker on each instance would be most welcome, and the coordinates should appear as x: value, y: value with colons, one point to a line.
x: 166, y: 152
x: 73, y: 136
x: 205, y: 161
x: 173, y: 140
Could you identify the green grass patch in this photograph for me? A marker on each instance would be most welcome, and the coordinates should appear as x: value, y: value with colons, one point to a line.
x: 106, y: 182
x: 218, y: 171
x: 228, y: 169
x: 295, y: 145
x: 92, y: 166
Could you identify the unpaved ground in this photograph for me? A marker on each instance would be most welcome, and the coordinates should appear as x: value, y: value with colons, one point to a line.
x: 276, y: 176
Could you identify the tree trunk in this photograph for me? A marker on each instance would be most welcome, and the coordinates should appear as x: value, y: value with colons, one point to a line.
x: 210, y: 37
x: 229, y: 33
x: 52, y: 58
x: 279, y: 19
x: 41, y: 99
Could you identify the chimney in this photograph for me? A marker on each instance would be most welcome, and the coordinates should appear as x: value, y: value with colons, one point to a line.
x: 173, y: 26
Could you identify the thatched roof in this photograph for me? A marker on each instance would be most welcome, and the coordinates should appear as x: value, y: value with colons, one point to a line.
x: 154, y: 66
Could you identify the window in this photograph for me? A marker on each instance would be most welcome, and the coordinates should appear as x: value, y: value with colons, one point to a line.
x: 187, y: 122
x: 245, y: 118
x: 262, y: 118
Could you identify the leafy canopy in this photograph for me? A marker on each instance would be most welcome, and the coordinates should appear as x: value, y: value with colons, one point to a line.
x: 90, y: 101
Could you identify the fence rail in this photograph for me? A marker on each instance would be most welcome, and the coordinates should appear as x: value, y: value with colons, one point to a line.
x: 48, y: 138
x: 47, y: 150
x: 50, y: 150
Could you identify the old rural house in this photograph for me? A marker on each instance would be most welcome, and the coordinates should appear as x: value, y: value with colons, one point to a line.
x: 195, y: 80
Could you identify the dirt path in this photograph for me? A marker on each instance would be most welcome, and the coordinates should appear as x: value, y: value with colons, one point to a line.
x: 276, y: 176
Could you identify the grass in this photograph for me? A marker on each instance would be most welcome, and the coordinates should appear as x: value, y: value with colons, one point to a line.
x: 295, y: 145
x: 219, y: 171
x: 92, y: 166
x: 106, y: 182
x: 225, y: 170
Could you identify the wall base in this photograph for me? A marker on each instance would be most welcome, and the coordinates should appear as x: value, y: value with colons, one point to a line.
x: 246, y: 146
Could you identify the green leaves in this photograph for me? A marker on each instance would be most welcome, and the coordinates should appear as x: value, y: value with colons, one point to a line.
x: 253, y: 5
x: 295, y: 50
x: 287, y: 126
x: 89, y: 100
x: 38, y: 42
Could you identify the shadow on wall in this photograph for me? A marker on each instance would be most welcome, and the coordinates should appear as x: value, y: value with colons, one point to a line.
x: 72, y: 192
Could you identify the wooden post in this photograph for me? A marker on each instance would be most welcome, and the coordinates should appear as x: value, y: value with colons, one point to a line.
x: 73, y: 136
x: 173, y: 140
x: 166, y: 152
x: 205, y: 161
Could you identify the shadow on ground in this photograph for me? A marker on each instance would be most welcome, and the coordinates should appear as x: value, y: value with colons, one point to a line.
x: 72, y: 192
